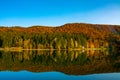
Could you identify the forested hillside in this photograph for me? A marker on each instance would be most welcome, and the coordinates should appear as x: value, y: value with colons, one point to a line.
x: 68, y: 36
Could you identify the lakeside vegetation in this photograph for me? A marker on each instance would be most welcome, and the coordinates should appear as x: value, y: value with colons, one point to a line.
x: 70, y: 48
x: 77, y: 36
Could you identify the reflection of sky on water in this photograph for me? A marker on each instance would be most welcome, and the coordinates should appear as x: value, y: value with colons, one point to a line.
x: 24, y: 75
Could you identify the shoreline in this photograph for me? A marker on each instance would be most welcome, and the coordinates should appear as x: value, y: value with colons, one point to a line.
x: 21, y: 49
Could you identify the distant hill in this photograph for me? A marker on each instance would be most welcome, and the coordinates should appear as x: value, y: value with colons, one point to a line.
x: 72, y: 34
x: 89, y: 29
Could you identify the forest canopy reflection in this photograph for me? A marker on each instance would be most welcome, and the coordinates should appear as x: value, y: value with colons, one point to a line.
x: 69, y: 62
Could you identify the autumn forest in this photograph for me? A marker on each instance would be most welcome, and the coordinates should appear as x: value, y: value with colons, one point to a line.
x: 69, y: 36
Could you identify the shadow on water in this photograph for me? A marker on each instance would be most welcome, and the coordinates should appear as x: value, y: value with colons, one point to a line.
x: 68, y: 62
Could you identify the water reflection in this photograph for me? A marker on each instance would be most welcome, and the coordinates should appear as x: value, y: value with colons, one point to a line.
x: 68, y: 62
x: 25, y: 75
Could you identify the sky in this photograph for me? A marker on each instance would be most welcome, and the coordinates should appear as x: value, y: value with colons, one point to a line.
x: 58, y: 12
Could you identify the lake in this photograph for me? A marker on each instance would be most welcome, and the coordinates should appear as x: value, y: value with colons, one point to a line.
x: 25, y: 75
x: 59, y: 65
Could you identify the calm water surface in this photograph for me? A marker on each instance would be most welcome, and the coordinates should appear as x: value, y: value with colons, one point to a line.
x: 59, y: 65
x: 25, y: 75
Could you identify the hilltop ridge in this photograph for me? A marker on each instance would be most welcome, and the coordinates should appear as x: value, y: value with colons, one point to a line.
x: 93, y: 30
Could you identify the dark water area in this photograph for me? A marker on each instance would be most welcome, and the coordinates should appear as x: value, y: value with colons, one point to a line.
x: 60, y: 65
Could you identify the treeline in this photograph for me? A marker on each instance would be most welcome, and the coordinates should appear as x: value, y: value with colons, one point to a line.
x: 42, y: 40
x: 69, y: 36
x: 50, y: 41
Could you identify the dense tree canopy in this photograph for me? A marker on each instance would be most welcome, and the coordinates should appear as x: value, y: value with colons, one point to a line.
x: 68, y: 36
